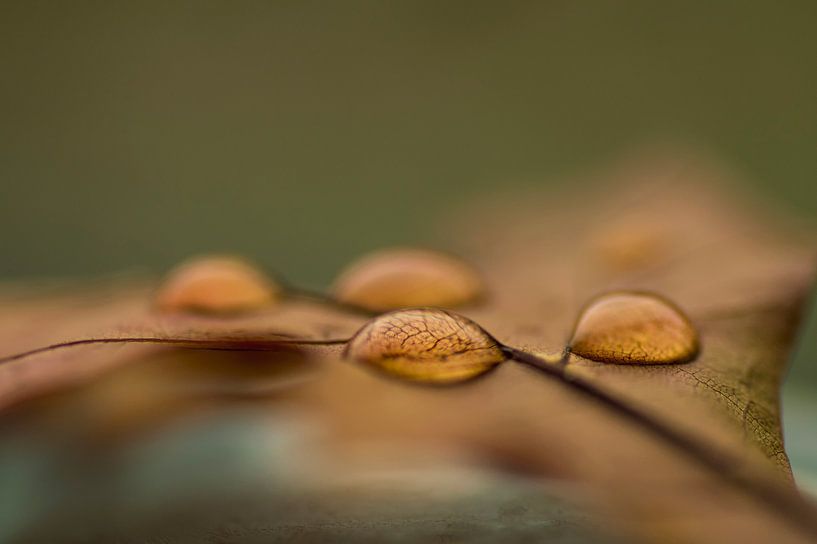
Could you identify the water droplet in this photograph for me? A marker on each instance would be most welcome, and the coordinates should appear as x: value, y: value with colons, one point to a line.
x: 634, y: 328
x: 401, y: 278
x: 427, y: 345
x: 630, y: 245
x: 216, y: 284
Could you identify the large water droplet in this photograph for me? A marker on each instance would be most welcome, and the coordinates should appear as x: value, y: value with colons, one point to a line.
x: 427, y: 345
x: 216, y: 284
x: 401, y: 278
x: 634, y: 328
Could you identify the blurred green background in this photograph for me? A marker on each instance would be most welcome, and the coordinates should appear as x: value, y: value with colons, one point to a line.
x: 304, y: 133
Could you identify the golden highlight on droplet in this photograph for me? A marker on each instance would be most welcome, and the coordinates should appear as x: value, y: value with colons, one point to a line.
x: 216, y: 284
x: 426, y: 345
x: 402, y: 277
x: 634, y: 328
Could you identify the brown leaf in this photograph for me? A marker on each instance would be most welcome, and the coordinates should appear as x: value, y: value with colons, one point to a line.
x: 126, y: 313
x: 685, y: 452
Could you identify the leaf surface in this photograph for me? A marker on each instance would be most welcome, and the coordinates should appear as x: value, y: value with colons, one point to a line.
x: 666, y: 225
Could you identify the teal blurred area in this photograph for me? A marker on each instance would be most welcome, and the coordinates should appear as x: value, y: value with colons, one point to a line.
x: 304, y: 133
x: 247, y: 475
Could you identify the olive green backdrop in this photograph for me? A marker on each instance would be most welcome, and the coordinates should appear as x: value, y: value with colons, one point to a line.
x: 302, y: 133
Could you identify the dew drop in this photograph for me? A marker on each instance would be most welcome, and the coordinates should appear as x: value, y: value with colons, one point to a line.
x: 216, y: 284
x: 634, y: 328
x: 629, y: 246
x: 426, y: 345
x: 401, y: 278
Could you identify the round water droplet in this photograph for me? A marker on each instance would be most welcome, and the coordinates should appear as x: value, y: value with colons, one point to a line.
x: 427, y: 345
x: 634, y: 328
x: 216, y: 285
x: 401, y: 278
x: 631, y: 245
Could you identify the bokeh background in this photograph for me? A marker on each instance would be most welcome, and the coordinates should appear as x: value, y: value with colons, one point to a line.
x: 300, y: 133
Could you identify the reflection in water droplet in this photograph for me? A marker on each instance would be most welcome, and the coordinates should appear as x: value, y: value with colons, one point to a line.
x: 216, y: 285
x: 428, y: 345
x: 634, y: 328
x: 402, y: 278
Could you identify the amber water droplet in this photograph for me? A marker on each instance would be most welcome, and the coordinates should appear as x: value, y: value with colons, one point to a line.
x: 425, y: 344
x: 631, y: 245
x: 634, y: 328
x: 216, y: 284
x: 402, y: 278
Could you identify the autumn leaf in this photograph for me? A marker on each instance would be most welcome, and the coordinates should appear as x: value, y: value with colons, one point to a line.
x: 635, y: 339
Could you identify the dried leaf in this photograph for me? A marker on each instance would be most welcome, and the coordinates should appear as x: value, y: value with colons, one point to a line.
x: 125, y: 313
x: 686, y: 452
